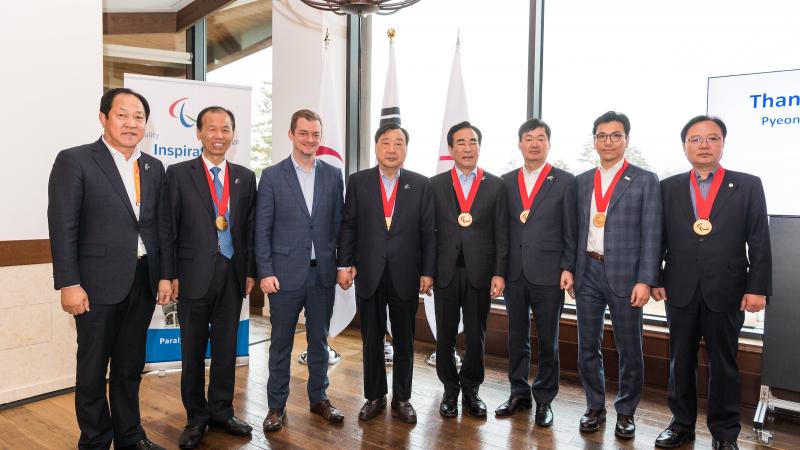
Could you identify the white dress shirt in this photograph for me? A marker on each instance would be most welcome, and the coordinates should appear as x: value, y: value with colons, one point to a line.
x: 531, y: 177
x: 125, y: 168
x: 306, y: 178
x: 594, y: 243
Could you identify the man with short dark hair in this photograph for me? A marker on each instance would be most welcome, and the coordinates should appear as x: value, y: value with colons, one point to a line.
x: 543, y: 230
x: 619, y: 237
x: 111, y: 240
x: 213, y: 207
x: 299, y: 213
x: 388, y: 243
x: 472, y: 252
x: 718, y: 264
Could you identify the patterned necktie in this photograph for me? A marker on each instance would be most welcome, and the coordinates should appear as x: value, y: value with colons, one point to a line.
x: 225, y: 240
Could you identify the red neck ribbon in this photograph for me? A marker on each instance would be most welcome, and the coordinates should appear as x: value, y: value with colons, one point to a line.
x: 601, y: 200
x: 388, y: 205
x: 466, y: 203
x: 222, y: 204
x: 527, y: 200
x: 704, y: 204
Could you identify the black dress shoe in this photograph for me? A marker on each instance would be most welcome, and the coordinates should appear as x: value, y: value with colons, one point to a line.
x: 544, y: 415
x: 275, y: 419
x: 512, y: 405
x: 144, y: 444
x: 449, y: 406
x: 327, y: 411
x: 372, y: 408
x: 191, y: 436
x: 404, y: 411
x: 672, y: 438
x: 625, y: 427
x: 724, y: 445
x: 592, y: 419
x: 473, y: 405
x: 234, y: 426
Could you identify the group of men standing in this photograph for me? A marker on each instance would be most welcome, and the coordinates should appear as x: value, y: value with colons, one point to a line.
x: 125, y: 235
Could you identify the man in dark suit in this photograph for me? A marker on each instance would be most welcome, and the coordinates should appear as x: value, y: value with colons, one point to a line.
x: 718, y: 264
x: 542, y: 218
x: 110, y: 236
x: 471, y: 259
x: 213, y: 208
x: 298, y: 217
x: 619, y: 237
x: 388, y: 244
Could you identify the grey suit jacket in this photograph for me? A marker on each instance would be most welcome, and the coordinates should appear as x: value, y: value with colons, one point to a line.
x: 632, y: 232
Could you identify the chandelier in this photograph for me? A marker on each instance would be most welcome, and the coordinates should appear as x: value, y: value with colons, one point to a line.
x: 360, y: 7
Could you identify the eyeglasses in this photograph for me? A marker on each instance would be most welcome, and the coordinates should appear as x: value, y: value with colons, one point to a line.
x: 697, y: 140
x: 615, y: 137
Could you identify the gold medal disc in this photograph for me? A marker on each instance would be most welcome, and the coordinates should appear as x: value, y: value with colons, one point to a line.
x: 388, y: 222
x: 702, y: 227
x: 221, y: 223
x: 523, y: 216
x: 599, y: 220
x: 465, y: 219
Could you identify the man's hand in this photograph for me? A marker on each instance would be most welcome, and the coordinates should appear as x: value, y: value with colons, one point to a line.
x: 658, y: 294
x: 425, y: 284
x: 249, y: 283
x: 164, y: 291
x: 344, y: 279
x: 175, y: 289
x: 640, y: 295
x: 750, y: 303
x: 498, y: 286
x: 270, y: 285
x: 74, y: 300
x: 567, y: 283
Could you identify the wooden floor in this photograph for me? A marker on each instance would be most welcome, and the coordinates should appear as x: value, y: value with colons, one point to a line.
x: 50, y: 424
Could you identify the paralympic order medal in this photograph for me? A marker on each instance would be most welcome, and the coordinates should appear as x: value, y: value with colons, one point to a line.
x: 702, y: 227
x: 599, y: 220
x: 523, y: 216
x: 465, y: 219
x: 222, y: 223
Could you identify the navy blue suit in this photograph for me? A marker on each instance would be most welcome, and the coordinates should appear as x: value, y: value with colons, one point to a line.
x: 631, y: 244
x: 285, y: 231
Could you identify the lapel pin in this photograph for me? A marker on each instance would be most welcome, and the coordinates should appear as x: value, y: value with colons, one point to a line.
x: 146, y: 166
x: 483, y: 178
x: 730, y: 185
x: 627, y: 178
x: 550, y: 178
x: 407, y: 187
x: 236, y: 181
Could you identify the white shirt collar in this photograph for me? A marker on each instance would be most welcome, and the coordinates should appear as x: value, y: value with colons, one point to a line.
x: 297, y: 165
x: 387, y: 177
x: 612, y: 169
x: 532, y: 172
x: 115, y: 153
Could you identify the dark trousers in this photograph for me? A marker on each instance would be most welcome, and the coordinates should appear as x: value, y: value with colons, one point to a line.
x: 214, y: 316
x: 546, y: 302
x: 450, y: 301
x: 284, y: 310
x: 626, y: 321
x: 720, y: 331
x: 402, y: 313
x: 115, y: 333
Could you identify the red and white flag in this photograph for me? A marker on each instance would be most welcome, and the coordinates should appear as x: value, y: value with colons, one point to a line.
x: 331, y: 150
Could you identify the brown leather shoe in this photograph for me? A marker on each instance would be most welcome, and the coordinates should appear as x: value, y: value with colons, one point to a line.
x: 327, y: 411
x: 404, y: 411
x: 275, y: 419
x: 372, y: 408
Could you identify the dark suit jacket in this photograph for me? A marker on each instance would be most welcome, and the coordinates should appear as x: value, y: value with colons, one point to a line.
x: 93, y: 229
x: 719, y: 261
x: 409, y: 248
x: 632, y: 232
x: 484, y: 243
x: 285, y: 229
x: 196, y: 238
x: 544, y: 245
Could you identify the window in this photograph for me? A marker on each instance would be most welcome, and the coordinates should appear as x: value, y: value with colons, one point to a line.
x: 157, y: 54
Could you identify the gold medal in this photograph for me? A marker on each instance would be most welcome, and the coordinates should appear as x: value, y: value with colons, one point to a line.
x: 221, y: 223
x: 465, y: 219
x: 388, y: 222
x: 523, y: 216
x: 702, y: 227
x: 599, y: 220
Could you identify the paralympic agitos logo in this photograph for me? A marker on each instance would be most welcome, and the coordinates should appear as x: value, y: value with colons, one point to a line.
x: 177, y: 110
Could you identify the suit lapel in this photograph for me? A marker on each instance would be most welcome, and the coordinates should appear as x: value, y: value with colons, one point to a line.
x: 683, y: 196
x: 622, y: 185
x: 235, y: 190
x: 103, y: 158
x: 318, y: 183
x: 290, y: 174
x: 547, y: 184
x: 145, y: 184
x: 200, y: 182
x: 402, y: 198
x: 724, y: 194
x: 586, y: 197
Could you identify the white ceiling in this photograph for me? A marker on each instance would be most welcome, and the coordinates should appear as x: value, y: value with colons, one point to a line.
x: 126, y: 6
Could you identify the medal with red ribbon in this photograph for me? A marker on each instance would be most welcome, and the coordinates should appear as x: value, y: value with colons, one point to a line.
x: 601, y: 200
x: 702, y: 226
x: 527, y: 200
x: 388, y: 204
x: 222, y: 203
x: 465, y: 204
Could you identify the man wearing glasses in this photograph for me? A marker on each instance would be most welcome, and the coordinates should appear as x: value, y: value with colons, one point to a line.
x: 718, y: 265
x: 619, y: 237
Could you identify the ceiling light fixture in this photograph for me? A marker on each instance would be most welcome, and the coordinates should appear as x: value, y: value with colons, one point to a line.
x: 360, y: 7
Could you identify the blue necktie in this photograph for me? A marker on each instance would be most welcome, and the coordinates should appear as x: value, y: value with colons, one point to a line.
x: 225, y: 240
